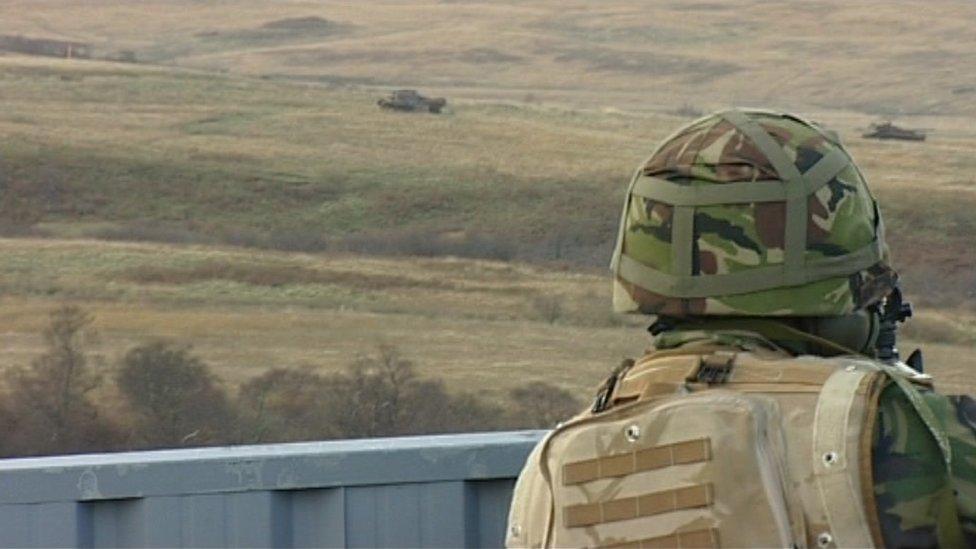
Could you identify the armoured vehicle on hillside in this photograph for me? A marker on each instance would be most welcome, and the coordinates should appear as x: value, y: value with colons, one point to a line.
x: 887, y: 130
x: 411, y: 101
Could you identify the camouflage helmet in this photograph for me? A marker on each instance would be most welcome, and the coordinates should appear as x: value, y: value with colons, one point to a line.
x: 748, y: 212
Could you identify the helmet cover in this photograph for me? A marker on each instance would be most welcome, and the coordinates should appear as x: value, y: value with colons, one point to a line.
x: 747, y: 212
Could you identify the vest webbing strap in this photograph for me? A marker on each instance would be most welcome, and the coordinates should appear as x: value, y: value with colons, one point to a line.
x: 646, y: 459
x: 835, y: 455
x: 643, y: 505
x: 794, y: 190
x: 832, y: 430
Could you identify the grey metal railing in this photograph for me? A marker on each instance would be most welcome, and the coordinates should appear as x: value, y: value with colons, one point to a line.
x: 443, y: 491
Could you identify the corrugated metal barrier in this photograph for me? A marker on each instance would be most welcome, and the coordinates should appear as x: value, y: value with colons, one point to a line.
x: 433, y: 491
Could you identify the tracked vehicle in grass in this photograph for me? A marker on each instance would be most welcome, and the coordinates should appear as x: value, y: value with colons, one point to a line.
x: 887, y: 130
x: 412, y: 101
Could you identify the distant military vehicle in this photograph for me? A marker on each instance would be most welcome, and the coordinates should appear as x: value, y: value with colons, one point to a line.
x: 887, y: 130
x: 411, y: 101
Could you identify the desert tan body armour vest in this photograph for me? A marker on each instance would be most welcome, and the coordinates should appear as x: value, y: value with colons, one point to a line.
x: 712, y: 447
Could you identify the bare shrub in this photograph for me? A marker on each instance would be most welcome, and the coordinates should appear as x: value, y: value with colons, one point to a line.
x: 381, y: 395
x: 376, y: 389
x: 542, y: 405
x: 175, y: 400
x: 49, y: 404
x: 464, y: 412
x: 287, y: 404
x: 430, y: 408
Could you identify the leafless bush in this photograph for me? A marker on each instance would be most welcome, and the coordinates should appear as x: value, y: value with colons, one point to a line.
x: 378, y: 395
x: 381, y: 395
x: 542, y: 405
x: 174, y: 398
x: 287, y: 404
x: 49, y: 408
x: 169, y: 398
x: 378, y: 390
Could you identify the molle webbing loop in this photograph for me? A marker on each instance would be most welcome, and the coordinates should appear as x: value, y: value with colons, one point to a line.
x: 793, y: 189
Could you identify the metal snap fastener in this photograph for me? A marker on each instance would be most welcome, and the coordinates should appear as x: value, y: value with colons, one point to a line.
x: 830, y: 458
x: 515, y: 530
x: 632, y: 433
x: 824, y: 539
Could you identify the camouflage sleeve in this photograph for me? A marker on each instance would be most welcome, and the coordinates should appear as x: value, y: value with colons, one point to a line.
x: 961, y: 426
x: 919, y: 505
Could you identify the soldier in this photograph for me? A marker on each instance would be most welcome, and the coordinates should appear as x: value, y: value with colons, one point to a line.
x: 774, y: 409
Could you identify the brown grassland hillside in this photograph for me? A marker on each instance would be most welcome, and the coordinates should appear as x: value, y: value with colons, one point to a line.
x: 880, y: 57
x: 280, y: 215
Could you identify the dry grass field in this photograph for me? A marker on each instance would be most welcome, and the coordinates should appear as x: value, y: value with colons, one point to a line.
x: 133, y: 151
x: 251, y: 125
x: 479, y: 325
x: 485, y: 326
x: 881, y: 57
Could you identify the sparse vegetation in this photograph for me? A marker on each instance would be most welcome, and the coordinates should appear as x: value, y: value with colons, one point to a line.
x: 173, y: 398
x: 879, y: 58
x: 273, y: 142
x: 542, y: 405
x: 49, y: 405
x: 167, y: 397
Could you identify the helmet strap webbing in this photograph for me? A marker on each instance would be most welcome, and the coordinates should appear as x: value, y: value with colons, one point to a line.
x: 795, y: 240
